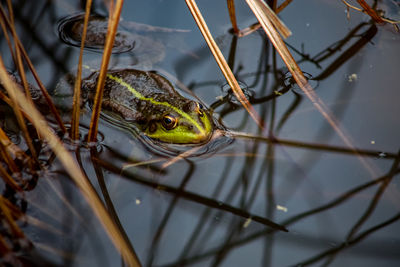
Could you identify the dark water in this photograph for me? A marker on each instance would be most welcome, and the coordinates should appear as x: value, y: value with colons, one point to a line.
x: 340, y: 209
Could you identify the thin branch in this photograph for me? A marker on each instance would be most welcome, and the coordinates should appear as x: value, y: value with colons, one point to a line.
x: 76, y: 107
x: 223, y: 65
x: 71, y: 167
x: 111, y: 32
x: 258, y: 10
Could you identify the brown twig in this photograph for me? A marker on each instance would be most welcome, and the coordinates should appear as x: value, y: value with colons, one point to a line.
x: 370, y: 11
x: 232, y: 15
x: 9, y: 180
x: 252, y: 28
x: 35, y: 75
x: 394, y: 22
x: 8, y: 149
x: 283, y: 6
x: 71, y: 167
x: 76, y: 106
x: 223, y: 65
x: 258, y: 10
x: 111, y: 32
x: 10, y: 215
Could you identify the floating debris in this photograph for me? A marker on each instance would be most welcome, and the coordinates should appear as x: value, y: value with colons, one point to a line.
x: 282, y: 208
x: 247, y: 223
x: 352, y: 78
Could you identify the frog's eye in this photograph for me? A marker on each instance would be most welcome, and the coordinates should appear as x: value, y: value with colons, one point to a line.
x: 169, y: 122
x: 199, y: 109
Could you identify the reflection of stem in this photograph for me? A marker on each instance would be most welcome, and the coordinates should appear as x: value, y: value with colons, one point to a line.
x: 351, y: 242
x: 329, y: 148
x: 110, y: 206
x: 375, y: 200
x: 193, y: 197
x: 296, y: 218
x: 164, y: 221
x: 370, y: 208
x: 366, y: 37
x: 205, y: 216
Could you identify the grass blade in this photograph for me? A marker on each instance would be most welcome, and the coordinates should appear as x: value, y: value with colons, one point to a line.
x: 258, y: 10
x: 283, y: 6
x: 35, y: 75
x: 111, y: 32
x: 71, y: 167
x: 370, y: 11
x: 76, y: 107
x: 223, y: 65
x: 232, y: 15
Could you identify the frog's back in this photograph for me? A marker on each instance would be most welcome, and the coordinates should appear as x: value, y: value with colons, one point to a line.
x: 135, y: 94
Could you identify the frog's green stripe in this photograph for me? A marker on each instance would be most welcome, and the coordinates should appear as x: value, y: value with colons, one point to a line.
x: 151, y: 100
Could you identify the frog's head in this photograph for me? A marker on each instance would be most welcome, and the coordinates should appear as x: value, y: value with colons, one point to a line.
x: 190, y: 123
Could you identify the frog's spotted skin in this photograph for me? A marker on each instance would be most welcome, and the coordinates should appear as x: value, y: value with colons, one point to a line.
x: 150, y: 102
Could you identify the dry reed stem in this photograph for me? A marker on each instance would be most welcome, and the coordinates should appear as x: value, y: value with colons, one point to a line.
x: 18, y: 63
x: 370, y: 11
x: 35, y: 75
x: 22, y: 125
x: 45, y: 94
x: 232, y: 15
x: 14, y: 150
x: 10, y: 46
x: 274, y: 37
x: 283, y: 6
x: 111, y: 32
x: 6, y: 212
x: 8, y: 101
x: 72, y: 168
x: 76, y: 106
x: 7, y: 148
x: 223, y: 65
x: 275, y: 20
x: 393, y: 22
x: 9, y: 180
x: 4, y: 248
x: 279, y: 24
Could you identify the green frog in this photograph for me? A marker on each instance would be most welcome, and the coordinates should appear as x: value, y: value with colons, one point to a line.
x: 133, y: 97
x: 150, y: 102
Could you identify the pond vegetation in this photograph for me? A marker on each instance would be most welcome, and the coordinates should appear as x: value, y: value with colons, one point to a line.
x: 142, y: 144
